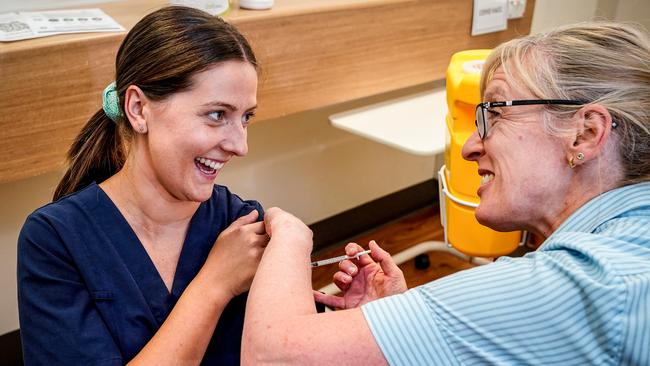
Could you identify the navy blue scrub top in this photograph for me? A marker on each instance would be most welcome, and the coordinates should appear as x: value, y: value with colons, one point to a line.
x: 88, y: 293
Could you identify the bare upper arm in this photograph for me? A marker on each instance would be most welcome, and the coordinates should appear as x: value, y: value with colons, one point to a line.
x: 333, y: 338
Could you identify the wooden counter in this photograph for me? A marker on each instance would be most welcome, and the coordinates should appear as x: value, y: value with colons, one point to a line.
x: 313, y: 53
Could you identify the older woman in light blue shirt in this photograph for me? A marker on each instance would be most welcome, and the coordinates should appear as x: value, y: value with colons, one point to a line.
x: 563, y: 148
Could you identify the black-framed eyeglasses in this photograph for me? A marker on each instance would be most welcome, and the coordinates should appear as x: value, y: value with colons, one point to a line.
x: 483, y: 122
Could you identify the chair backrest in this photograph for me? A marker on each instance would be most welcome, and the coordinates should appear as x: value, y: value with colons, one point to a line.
x: 11, y: 353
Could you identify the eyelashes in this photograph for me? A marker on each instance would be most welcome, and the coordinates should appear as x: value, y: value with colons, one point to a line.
x: 219, y: 117
x: 247, y: 118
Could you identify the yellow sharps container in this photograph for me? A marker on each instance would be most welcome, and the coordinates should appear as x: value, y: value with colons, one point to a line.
x: 458, y: 179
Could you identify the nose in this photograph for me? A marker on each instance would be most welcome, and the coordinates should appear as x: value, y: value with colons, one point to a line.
x: 236, y: 140
x: 473, y: 148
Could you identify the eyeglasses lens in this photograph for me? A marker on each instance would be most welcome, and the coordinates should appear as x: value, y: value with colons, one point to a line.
x: 480, y: 122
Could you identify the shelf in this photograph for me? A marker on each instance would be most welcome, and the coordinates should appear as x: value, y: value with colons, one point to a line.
x: 415, y: 124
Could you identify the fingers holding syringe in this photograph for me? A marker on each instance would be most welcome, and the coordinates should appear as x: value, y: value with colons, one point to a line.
x: 342, y: 280
x: 349, y: 268
x: 353, y: 248
x: 384, y: 259
x: 336, y: 302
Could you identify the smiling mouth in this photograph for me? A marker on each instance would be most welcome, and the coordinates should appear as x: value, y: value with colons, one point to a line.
x: 486, y: 178
x: 208, y: 166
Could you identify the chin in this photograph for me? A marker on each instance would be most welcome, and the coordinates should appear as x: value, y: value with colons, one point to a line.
x: 495, y: 220
x: 206, y: 195
x: 200, y: 194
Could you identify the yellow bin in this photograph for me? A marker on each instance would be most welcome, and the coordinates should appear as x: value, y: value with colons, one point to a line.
x: 458, y: 179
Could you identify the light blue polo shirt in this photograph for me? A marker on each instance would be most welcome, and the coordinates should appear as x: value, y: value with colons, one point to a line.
x: 583, y: 298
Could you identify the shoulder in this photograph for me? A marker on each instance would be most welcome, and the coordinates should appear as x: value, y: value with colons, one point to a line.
x: 606, y: 238
x: 70, y: 204
x: 235, y: 205
x: 67, y: 213
x: 618, y: 247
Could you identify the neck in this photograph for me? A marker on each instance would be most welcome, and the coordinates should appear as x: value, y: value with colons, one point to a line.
x: 144, y: 201
x: 547, y: 226
x: 589, y: 181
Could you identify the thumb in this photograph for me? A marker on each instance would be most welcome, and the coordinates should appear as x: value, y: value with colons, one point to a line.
x: 249, y: 218
x: 384, y: 259
x: 332, y: 301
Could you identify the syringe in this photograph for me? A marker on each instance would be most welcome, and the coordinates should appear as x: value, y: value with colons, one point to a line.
x: 338, y: 259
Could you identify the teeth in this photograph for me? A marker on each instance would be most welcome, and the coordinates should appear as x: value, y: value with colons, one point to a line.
x: 211, y: 163
x: 486, y: 178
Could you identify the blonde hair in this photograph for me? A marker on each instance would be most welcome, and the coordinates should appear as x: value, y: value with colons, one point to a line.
x: 603, y: 63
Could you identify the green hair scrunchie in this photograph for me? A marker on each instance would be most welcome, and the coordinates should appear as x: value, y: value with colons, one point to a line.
x: 111, y: 103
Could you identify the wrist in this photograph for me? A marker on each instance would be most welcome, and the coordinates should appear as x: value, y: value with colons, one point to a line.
x: 213, y: 288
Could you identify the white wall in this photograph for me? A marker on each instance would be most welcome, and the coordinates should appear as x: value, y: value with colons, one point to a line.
x: 299, y: 162
x: 634, y: 10
x: 552, y: 13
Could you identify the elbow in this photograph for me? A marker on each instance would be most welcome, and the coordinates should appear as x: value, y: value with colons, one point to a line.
x: 263, y: 345
x: 252, y: 352
x: 254, y: 346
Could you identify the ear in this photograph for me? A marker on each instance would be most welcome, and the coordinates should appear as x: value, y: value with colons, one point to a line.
x: 135, y: 108
x: 593, y: 130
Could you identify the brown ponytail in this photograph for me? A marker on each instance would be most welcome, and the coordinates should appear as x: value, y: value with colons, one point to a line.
x: 96, y: 154
x: 159, y: 55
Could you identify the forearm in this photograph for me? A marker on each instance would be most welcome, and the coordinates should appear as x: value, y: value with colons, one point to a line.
x: 184, y: 336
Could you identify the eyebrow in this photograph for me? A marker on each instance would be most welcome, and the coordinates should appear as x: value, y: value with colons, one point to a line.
x: 226, y: 105
x: 493, y: 91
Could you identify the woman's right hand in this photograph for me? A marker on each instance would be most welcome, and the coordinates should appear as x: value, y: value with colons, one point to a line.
x: 362, y: 280
x: 233, y: 260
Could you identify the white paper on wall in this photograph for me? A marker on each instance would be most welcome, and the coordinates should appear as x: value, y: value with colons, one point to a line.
x: 17, y: 26
x: 489, y: 16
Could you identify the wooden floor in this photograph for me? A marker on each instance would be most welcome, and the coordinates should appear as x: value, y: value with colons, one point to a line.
x: 394, y: 237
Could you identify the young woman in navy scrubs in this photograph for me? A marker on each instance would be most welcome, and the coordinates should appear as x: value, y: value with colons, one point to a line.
x: 141, y: 258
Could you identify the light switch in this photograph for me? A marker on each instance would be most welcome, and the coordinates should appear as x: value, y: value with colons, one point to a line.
x: 516, y: 8
x: 489, y: 16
